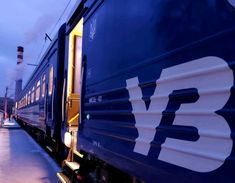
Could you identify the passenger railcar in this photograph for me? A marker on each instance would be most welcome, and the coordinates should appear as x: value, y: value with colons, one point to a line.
x: 39, y: 103
x: 148, y: 91
x: 158, y: 89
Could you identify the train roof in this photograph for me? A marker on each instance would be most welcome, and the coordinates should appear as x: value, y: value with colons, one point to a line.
x: 42, y: 60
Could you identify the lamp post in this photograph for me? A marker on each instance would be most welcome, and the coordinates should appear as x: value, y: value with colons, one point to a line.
x: 5, y: 105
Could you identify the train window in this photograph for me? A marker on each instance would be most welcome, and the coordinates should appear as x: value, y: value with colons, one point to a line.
x: 38, y: 90
x: 26, y: 99
x: 43, y: 85
x: 29, y: 96
x: 32, y: 95
x: 50, y: 80
x: 77, y: 63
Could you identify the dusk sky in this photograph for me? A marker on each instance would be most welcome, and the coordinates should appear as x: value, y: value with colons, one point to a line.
x: 24, y: 23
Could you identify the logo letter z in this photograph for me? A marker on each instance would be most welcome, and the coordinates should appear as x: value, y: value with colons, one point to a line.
x: 213, y: 79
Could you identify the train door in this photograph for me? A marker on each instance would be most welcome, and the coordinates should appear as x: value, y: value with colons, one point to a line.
x: 50, y: 94
x: 73, y: 79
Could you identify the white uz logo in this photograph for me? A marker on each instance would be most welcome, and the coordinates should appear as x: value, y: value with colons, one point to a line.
x: 213, y: 79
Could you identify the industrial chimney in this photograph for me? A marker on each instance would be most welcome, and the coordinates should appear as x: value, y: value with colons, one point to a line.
x: 18, y: 87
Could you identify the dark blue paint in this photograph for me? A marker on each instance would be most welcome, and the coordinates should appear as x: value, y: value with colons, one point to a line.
x: 141, y: 38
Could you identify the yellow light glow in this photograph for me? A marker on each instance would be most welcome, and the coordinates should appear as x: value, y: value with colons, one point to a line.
x: 73, y: 118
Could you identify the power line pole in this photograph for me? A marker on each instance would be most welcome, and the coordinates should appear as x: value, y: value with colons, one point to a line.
x: 5, y: 107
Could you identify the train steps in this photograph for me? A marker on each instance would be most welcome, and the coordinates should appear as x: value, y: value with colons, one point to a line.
x: 51, y: 145
x: 63, y: 178
x: 50, y: 149
x: 69, y: 173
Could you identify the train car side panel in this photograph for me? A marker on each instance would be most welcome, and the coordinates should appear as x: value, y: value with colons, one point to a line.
x: 159, y: 89
x: 41, y: 98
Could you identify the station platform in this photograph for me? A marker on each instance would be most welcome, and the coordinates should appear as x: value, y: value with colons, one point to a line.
x: 22, y: 160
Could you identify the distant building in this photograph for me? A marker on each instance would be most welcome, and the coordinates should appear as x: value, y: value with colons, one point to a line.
x: 10, y: 104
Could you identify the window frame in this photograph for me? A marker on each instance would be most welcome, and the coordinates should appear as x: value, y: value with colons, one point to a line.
x: 43, y: 85
x: 51, y: 78
x: 32, y: 94
x: 29, y: 97
x: 37, y: 92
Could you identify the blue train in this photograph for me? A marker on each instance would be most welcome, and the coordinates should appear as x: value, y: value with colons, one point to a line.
x: 139, y: 91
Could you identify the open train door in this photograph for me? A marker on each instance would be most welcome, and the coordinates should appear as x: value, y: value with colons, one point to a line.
x: 71, y: 85
x: 74, y: 69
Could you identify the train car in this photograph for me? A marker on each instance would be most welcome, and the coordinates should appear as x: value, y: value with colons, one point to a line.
x: 39, y: 103
x: 157, y: 90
